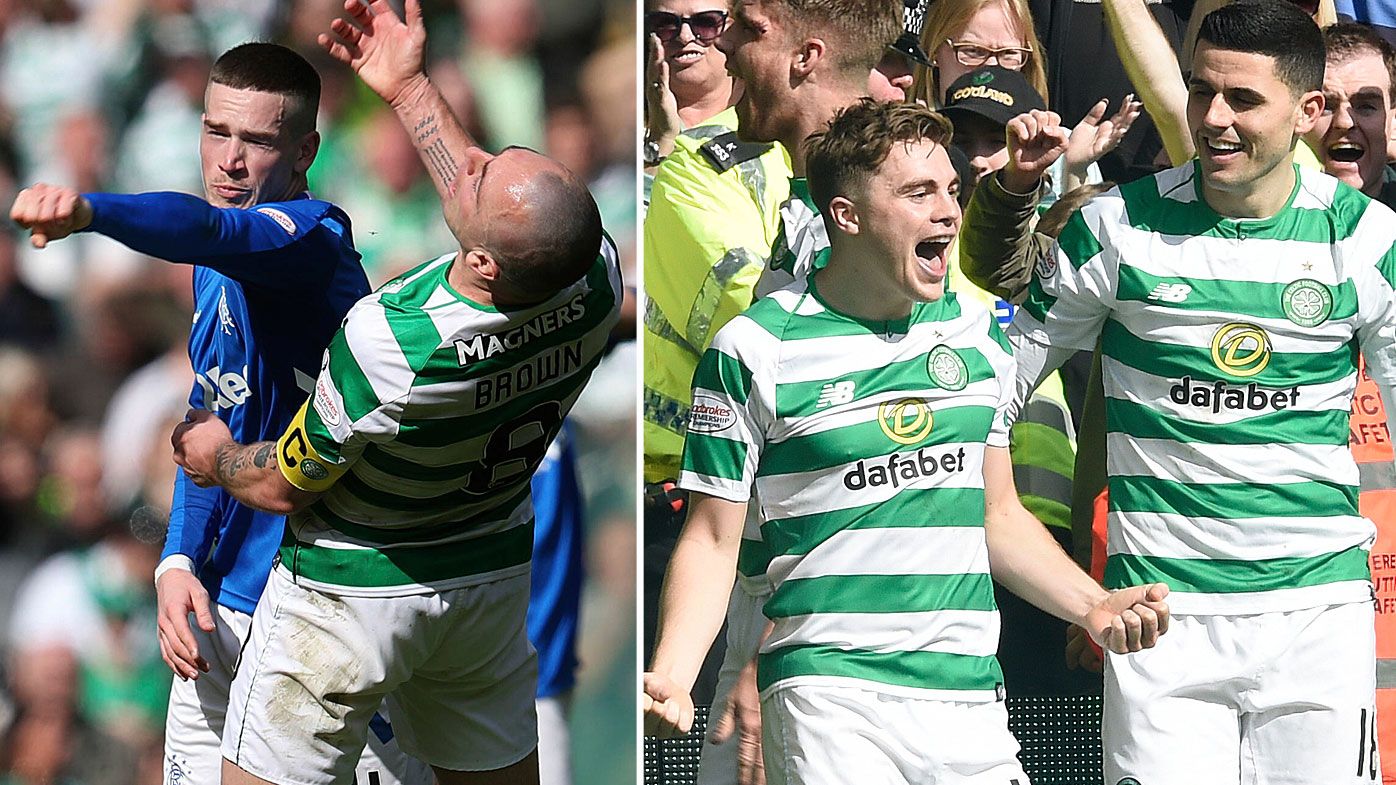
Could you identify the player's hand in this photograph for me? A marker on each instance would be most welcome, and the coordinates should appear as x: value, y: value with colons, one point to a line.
x: 177, y: 594
x: 668, y: 709
x: 1130, y: 619
x: 50, y: 212
x: 1081, y: 651
x: 1036, y: 140
x: 388, y: 54
x: 1093, y: 137
x: 196, y: 443
x: 742, y: 714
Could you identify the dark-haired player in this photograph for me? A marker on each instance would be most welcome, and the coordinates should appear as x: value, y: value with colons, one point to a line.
x: 1230, y: 296
x: 275, y: 272
x: 405, y: 570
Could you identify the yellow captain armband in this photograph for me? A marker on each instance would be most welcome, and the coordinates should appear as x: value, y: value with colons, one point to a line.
x: 299, y: 463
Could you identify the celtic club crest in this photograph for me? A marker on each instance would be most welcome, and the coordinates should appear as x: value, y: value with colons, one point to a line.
x: 1307, y: 302
x: 947, y: 370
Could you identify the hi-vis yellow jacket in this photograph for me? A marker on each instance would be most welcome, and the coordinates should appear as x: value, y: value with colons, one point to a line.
x: 713, y: 216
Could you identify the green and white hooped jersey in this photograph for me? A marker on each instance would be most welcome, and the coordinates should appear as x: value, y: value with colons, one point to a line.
x: 801, y: 246
x: 1230, y: 358
x: 863, y: 445
x: 428, y: 418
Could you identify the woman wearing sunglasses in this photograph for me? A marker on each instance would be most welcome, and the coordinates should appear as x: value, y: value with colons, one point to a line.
x: 686, y: 80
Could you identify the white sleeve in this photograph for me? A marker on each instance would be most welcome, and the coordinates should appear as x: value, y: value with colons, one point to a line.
x: 1035, y: 362
x: 728, y: 419
x: 1071, y: 293
x: 1376, y: 315
x: 1000, y: 355
x: 1073, y: 288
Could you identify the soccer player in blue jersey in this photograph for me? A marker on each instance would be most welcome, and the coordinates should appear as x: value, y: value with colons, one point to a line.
x: 275, y: 273
x: 555, y: 599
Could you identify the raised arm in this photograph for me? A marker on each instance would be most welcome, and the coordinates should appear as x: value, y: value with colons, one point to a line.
x: 998, y: 248
x: 285, y: 245
x: 389, y: 55
x: 1153, y: 69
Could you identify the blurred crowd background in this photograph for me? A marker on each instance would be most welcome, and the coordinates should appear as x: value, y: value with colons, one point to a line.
x: 106, y: 95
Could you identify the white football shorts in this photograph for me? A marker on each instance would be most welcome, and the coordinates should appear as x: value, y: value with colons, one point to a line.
x: 455, y: 668
x: 823, y: 735
x: 1284, y: 698
x: 194, y: 721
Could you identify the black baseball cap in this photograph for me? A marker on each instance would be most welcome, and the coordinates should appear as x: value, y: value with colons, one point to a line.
x: 992, y: 92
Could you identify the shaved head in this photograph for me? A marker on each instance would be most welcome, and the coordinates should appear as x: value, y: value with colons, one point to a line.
x: 547, y: 233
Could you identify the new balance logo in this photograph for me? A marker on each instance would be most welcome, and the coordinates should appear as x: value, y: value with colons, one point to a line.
x: 834, y: 393
x: 1170, y: 292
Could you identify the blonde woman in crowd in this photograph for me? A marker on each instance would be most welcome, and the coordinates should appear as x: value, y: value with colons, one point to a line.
x: 962, y: 35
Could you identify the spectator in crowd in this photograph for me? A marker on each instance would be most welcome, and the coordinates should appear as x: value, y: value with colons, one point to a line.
x: 97, y: 604
x: 608, y: 90
x: 1381, y: 17
x: 26, y: 415
x: 570, y: 136
x: 27, y: 318
x: 962, y: 35
x: 47, y: 740
x: 893, y: 76
x: 506, y: 74
x: 146, y: 396
x: 395, y: 211
x: 1359, y: 112
x: 983, y: 101
x: 686, y: 81
x: 153, y: 154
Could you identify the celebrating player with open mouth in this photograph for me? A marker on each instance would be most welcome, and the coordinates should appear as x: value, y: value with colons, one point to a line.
x: 863, y: 409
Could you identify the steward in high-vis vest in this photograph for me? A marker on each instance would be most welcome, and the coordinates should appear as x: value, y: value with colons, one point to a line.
x: 714, y: 215
x: 1370, y: 440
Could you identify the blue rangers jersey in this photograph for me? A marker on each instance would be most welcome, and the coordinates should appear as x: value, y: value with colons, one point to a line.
x: 556, y: 596
x: 271, y: 285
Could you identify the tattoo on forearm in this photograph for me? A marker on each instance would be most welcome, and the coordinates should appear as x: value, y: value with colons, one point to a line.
x: 228, y: 461
x: 232, y: 460
x: 426, y: 134
x: 443, y: 162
